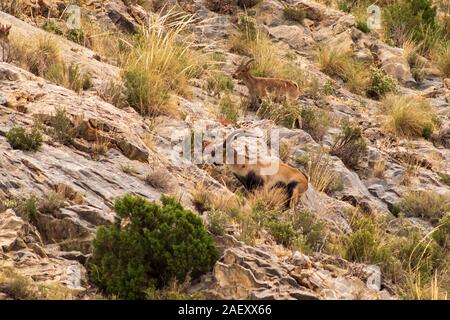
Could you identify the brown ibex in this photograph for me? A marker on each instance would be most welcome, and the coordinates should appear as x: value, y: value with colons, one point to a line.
x: 258, y: 175
x: 259, y: 87
x: 4, y: 40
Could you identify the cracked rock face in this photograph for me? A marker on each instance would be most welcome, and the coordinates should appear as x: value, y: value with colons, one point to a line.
x: 246, y: 272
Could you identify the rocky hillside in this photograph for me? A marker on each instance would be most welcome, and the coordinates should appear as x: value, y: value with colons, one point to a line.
x: 371, y: 128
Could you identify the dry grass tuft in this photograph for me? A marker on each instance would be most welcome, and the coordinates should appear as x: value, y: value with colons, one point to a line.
x: 341, y: 64
x: 159, y: 180
x: 408, y: 116
x: 160, y: 62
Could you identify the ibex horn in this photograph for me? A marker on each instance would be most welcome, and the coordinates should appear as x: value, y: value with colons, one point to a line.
x: 237, y: 133
x: 249, y: 61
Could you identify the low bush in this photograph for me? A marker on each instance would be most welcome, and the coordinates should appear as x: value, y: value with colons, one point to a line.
x: 411, y: 19
x: 315, y: 121
x: 62, y: 128
x: 380, y: 84
x: 350, y: 146
x: 362, y: 25
x: 19, y: 138
x: 160, y: 244
x: 228, y: 109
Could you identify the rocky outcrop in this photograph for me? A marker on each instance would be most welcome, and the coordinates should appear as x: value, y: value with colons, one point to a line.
x: 246, y: 272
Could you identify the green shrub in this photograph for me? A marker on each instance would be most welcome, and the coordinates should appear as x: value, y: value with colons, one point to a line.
x: 161, y: 244
x: 411, y: 19
x: 51, y: 202
x: 62, y: 129
x: 52, y: 27
x: 367, y: 243
x: 76, y: 35
x: 77, y: 80
x: 19, y: 138
x: 445, y: 178
x: 282, y: 232
x: 420, y: 254
x: 342, y: 64
x: 28, y: 207
x: 311, y: 230
x: 380, y: 84
x: 350, y: 146
x: 362, y: 25
x: 219, y: 82
x: 441, y: 56
x: 217, y: 222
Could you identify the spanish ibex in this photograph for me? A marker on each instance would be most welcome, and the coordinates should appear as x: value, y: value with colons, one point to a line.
x: 4, y: 40
x: 259, y: 87
x: 260, y: 174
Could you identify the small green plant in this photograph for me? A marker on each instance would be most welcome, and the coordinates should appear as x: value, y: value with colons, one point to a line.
x: 218, y: 221
x: 296, y: 14
x: 19, y: 138
x: 128, y: 168
x: 328, y: 88
x: 282, y: 232
x: 51, y: 26
x: 342, y: 64
x: 362, y: 25
x: 28, y: 207
x: 77, y: 36
x: 380, y: 84
x: 311, y: 229
x: 219, y: 82
x: 343, y: 5
x: 315, y: 121
x: 411, y: 19
x: 78, y: 80
x: 248, y: 28
x: 160, y: 244
x: 445, y: 178
x: 441, y: 57
x: 228, y: 109
x: 61, y: 126
x: 350, y: 146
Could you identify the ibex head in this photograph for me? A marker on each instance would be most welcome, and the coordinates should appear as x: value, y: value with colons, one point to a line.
x: 243, y: 69
x: 225, y: 153
x: 4, y: 30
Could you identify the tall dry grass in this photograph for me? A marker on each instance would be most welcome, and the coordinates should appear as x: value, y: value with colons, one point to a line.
x: 161, y: 60
x: 408, y: 116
